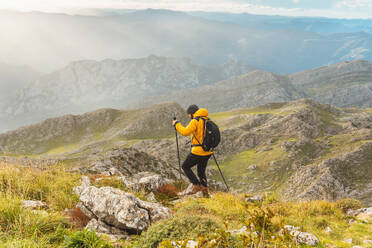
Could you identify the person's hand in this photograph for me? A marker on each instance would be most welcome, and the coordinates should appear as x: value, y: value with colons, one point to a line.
x: 174, y: 122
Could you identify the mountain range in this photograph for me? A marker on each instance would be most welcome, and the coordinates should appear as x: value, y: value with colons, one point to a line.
x: 51, y: 41
x: 87, y: 85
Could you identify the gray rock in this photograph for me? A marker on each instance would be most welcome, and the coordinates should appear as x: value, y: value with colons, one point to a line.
x: 102, y: 228
x: 255, y: 198
x: 242, y: 230
x: 35, y: 205
x: 121, y: 210
x: 151, y: 197
x: 349, y: 241
x: 145, y: 181
x: 266, y: 148
x: 190, y: 244
x: 252, y: 167
x: 302, y: 237
x: 85, y: 182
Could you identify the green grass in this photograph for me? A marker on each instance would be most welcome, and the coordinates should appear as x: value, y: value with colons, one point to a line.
x: 340, y: 144
x: 236, y: 166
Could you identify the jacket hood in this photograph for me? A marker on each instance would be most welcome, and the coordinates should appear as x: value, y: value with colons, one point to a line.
x: 201, y: 113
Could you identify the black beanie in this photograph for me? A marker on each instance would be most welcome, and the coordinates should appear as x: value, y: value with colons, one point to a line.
x: 192, y: 109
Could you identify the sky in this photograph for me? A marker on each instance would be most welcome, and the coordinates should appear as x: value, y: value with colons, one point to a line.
x: 327, y: 8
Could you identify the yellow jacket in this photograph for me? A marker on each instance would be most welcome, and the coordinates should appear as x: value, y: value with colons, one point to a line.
x: 195, y: 129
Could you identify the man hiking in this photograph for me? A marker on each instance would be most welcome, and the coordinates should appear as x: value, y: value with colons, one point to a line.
x: 198, y: 156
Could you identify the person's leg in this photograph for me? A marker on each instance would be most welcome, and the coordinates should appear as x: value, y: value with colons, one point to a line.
x: 190, y: 161
x: 202, y: 166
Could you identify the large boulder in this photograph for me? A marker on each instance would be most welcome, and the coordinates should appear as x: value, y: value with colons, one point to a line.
x: 120, y: 209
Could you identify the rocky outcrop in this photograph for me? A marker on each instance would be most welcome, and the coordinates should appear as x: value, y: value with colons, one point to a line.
x: 115, y: 212
x: 128, y: 162
x: 334, y: 178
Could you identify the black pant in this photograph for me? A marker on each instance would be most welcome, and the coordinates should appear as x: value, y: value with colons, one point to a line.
x: 190, y: 162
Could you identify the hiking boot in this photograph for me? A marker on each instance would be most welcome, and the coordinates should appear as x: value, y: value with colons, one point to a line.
x: 196, y: 189
x: 205, y: 191
x: 187, y: 191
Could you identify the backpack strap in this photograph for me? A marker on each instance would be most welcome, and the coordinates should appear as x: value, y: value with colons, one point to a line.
x: 204, y: 130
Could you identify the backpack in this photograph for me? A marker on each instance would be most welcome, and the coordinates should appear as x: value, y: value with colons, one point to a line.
x: 212, y: 135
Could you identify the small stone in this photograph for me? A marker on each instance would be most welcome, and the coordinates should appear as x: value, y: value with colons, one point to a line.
x: 273, y: 163
x: 190, y: 244
x: 367, y: 242
x: 28, y: 204
x: 349, y: 241
x: 256, y: 198
x: 238, y: 231
x: 267, y: 148
x: 302, y: 237
x: 252, y: 167
x: 328, y: 230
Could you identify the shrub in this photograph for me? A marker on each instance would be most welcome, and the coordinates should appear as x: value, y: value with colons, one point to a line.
x: 176, y: 229
x: 85, y: 239
x: 169, y: 190
x: 347, y: 204
x: 78, y: 218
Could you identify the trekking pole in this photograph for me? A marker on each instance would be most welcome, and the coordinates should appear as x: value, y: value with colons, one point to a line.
x: 178, y: 150
x: 223, y: 178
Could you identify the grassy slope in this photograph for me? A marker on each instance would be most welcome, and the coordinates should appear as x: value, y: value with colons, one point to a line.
x: 24, y: 228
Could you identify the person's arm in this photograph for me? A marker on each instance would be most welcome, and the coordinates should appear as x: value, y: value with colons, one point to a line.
x: 186, y: 131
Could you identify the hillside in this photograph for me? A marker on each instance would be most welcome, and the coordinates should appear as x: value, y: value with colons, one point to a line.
x: 275, y: 147
x: 79, y: 132
x: 338, y: 85
x: 87, y: 85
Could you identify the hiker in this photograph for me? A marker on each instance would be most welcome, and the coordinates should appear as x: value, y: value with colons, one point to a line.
x: 198, y: 156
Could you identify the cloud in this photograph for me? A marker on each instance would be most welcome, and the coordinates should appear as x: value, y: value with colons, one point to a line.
x: 360, y: 8
x: 355, y: 4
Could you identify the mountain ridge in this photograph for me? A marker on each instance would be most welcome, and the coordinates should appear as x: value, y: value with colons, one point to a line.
x: 87, y: 85
x: 337, y: 85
